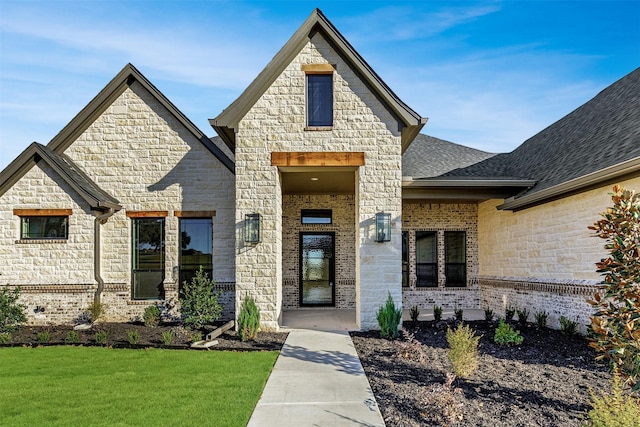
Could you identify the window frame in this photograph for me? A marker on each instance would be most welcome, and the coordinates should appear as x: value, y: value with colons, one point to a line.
x: 44, y: 215
x: 423, y: 281
x: 134, y: 243
x: 312, y: 216
x: 461, y: 281
x: 324, y: 80
x: 181, y: 271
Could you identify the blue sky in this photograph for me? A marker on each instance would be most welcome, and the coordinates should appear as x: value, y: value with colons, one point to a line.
x: 487, y: 74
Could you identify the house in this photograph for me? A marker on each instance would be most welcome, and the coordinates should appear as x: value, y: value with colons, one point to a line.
x: 319, y: 191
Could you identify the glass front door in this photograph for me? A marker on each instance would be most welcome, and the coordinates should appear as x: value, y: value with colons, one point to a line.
x: 317, y: 269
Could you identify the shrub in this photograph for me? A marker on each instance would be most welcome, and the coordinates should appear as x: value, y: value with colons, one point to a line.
x: 541, y: 318
x: 11, y: 312
x: 615, y: 325
x: 463, y: 350
x: 505, y: 334
x: 509, y: 312
x: 151, y: 315
x: 248, y: 319
x: 195, y: 336
x: 389, y: 317
x: 199, y: 304
x: 133, y: 336
x: 5, y: 337
x: 101, y: 337
x: 488, y: 314
x: 167, y: 337
x: 442, y: 403
x: 437, y: 313
x: 459, y: 313
x: 96, y: 311
x: 567, y: 326
x: 614, y: 410
x: 43, y: 337
x: 414, y: 313
x: 72, y: 337
x: 411, y: 348
x: 523, y: 315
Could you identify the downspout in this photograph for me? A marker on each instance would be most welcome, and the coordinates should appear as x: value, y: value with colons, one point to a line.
x: 97, y: 265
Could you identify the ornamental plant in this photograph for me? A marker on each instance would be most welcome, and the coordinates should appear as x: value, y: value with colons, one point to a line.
x: 389, y: 317
x: 248, y: 319
x: 463, y: 350
x: 505, y: 334
x: 199, y: 304
x: 11, y: 312
x: 151, y: 315
x: 615, y: 325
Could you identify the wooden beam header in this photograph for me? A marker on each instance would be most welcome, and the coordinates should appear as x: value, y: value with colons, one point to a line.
x: 147, y: 214
x: 318, y: 68
x: 42, y: 212
x: 334, y: 158
x: 194, y: 214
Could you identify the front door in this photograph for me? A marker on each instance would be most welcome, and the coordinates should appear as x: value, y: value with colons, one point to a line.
x: 317, y: 269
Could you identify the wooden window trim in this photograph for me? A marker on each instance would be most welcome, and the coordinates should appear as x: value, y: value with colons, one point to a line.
x: 194, y: 214
x: 147, y: 214
x: 318, y: 68
x: 42, y: 212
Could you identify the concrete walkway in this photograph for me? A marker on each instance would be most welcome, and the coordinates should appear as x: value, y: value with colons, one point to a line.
x: 317, y: 381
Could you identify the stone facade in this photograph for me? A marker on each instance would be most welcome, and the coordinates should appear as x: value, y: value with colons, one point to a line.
x: 276, y: 123
x: 441, y: 217
x: 137, y: 151
x: 343, y: 214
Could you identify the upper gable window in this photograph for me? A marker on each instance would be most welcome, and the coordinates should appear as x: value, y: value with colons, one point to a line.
x: 320, y: 100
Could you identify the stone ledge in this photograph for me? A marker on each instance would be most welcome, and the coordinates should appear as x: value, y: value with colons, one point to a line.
x: 39, y: 241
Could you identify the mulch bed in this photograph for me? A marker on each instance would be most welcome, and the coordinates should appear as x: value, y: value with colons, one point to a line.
x: 542, y: 382
x: 148, y: 337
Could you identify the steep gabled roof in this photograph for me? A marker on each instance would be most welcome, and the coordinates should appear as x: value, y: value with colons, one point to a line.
x: 96, y: 197
x: 125, y: 78
x: 226, y: 123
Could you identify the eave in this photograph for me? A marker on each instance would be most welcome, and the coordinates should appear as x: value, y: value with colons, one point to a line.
x: 465, y: 190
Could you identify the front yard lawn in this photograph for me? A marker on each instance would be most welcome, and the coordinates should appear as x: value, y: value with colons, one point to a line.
x: 65, y: 385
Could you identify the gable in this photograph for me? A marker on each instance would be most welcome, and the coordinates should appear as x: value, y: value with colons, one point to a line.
x: 226, y: 124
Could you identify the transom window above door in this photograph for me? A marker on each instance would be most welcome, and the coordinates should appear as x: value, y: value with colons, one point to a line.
x: 316, y: 216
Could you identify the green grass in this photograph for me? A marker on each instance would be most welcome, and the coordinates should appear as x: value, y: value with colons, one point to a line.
x: 95, y: 386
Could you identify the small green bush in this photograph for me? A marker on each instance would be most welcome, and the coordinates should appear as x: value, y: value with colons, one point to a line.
x: 488, y: 314
x: 414, y: 313
x: 43, y: 337
x: 248, y: 319
x: 617, y: 409
x: 459, y: 313
x: 72, y: 337
x: 389, y: 317
x: 509, y: 312
x: 101, y: 337
x: 133, y: 336
x: 151, y: 315
x: 437, y: 313
x: 505, y: 334
x: 463, y: 350
x: 96, y: 311
x: 195, y: 336
x: 523, y: 315
x: 199, y: 304
x: 167, y: 337
x: 11, y: 312
x: 567, y: 326
x: 541, y: 318
x: 5, y: 337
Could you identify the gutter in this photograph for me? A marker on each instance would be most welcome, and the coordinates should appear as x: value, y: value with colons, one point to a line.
x: 97, y: 265
x: 429, y: 182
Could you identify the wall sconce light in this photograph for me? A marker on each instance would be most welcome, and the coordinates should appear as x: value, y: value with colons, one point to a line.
x: 252, y: 228
x: 383, y: 227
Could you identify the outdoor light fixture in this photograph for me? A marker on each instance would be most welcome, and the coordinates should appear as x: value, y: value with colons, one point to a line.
x: 383, y: 227
x: 252, y: 228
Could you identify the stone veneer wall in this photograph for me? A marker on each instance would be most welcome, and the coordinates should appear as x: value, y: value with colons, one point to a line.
x: 143, y: 156
x: 543, y: 258
x: 441, y: 217
x: 277, y: 123
x: 343, y: 211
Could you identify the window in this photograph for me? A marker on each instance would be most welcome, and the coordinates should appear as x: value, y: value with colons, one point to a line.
x: 196, y: 248
x: 319, y: 100
x: 455, y: 255
x: 148, y: 258
x: 426, y: 258
x: 316, y: 216
x: 44, y: 227
x: 405, y: 259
